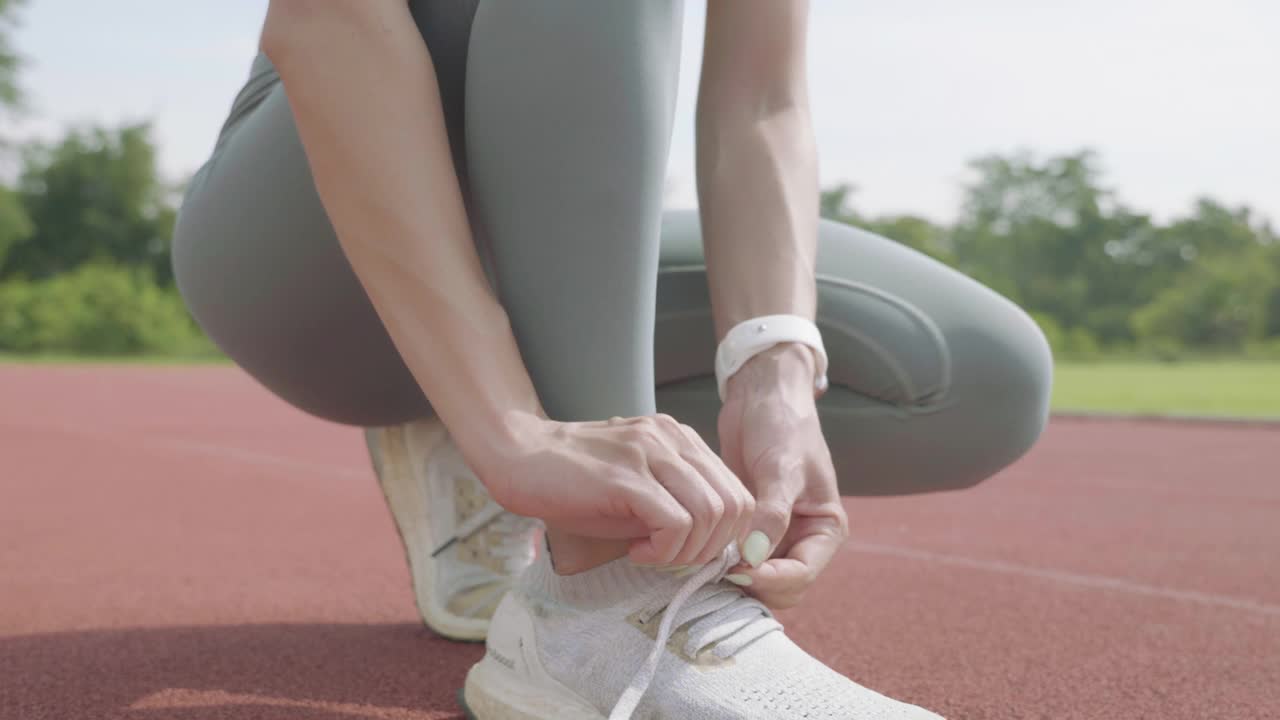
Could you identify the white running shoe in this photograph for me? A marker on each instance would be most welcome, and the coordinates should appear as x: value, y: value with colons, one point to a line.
x: 463, y: 548
x: 621, y: 641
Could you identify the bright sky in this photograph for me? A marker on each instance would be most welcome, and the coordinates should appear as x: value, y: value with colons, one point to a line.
x: 1180, y: 97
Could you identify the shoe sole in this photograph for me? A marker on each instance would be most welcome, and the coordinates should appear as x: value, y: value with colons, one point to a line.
x: 492, y: 692
x: 407, y: 502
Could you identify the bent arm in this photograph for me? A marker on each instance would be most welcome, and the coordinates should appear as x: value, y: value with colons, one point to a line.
x: 757, y: 164
x: 363, y: 92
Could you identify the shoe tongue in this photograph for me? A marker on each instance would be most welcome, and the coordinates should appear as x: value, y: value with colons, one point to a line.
x: 602, y: 586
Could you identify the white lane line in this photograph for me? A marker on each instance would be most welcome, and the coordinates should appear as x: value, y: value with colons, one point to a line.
x: 1092, y: 581
x: 219, y: 451
x: 260, y: 458
x: 181, y: 698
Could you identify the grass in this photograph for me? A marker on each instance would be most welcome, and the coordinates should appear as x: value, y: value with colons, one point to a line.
x: 1230, y: 388
x: 1227, y: 388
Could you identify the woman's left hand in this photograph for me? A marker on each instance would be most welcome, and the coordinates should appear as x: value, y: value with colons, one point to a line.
x: 770, y: 437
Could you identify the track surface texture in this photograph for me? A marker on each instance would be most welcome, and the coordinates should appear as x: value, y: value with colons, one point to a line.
x: 177, y: 543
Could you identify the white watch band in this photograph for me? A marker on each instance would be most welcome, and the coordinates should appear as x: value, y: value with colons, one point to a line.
x: 750, y: 337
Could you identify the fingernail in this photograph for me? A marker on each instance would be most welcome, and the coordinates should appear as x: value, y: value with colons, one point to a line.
x: 755, y: 548
x: 738, y: 579
x: 673, y: 568
x: 686, y: 570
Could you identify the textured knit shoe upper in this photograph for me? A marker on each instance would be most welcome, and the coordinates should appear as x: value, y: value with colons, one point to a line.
x: 720, y: 655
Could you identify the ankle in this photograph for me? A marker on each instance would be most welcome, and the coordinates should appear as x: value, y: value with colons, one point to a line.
x: 570, y: 554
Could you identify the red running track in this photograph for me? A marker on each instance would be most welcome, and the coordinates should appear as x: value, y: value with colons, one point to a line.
x: 177, y: 543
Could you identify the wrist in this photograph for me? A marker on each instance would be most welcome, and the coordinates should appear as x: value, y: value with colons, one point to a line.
x: 788, y: 367
x: 495, y: 446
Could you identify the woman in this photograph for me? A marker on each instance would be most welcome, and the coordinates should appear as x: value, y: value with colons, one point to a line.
x: 461, y: 201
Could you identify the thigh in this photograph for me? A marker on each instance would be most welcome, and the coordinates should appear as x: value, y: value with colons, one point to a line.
x: 262, y: 271
x: 937, y: 382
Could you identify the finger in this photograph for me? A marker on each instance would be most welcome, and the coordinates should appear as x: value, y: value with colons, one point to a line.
x: 779, y: 582
x: 605, y: 527
x: 666, y: 520
x: 693, y: 492
x: 731, y: 456
x: 778, y: 481
x: 738, y: 503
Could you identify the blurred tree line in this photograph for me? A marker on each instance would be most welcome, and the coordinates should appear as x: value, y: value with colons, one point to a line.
x: 84, y: 250
x: 84, y: 238
x: 85, y: 226
x: 1097, y: 275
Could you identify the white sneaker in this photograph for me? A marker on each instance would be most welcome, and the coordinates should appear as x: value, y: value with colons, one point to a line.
x: 463, y: 548
x: 628, y: 642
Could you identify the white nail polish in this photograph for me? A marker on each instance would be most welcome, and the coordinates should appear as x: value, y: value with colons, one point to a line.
x: 755, y: 548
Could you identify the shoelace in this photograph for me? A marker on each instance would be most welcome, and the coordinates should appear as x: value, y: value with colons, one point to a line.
x: 724, y: 615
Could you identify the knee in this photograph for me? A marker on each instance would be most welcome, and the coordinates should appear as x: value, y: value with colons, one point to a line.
x: 310, y: 344
x: 1005, y: 385
x: 182, y: 264
x: 1026, y: 367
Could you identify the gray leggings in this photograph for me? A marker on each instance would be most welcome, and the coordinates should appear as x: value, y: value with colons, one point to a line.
x: 559, y: 113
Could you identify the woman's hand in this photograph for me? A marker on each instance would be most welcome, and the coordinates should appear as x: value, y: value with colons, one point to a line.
x: 648, y: 478
x: 771, y: 438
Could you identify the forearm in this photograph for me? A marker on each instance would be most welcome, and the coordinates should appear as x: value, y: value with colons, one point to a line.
x: 364, y: 95
x: 758, y: 192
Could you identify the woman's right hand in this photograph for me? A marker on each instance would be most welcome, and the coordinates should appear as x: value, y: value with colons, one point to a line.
x: 650, y: 479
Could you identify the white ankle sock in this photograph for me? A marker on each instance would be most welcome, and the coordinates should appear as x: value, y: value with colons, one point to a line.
x: 601, y: 586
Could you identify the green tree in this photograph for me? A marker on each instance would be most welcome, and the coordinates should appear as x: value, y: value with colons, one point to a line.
x: 836, y: 204
x: 1050, y: 237
x: 1220, y: 284
x: 1212, y: 230
x: 10, y: 91
x: 910, y: 230
x: 1094, y: 273
x: 94, y: 196
x: 15, y: 226
x: 97, y: 308
x: 1271, y: 255
x: 1218, y: 304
